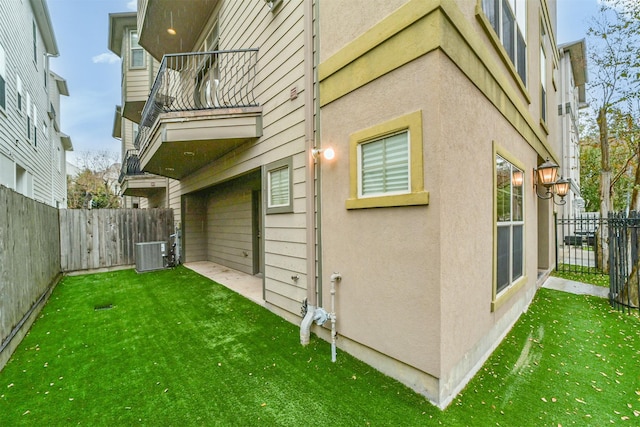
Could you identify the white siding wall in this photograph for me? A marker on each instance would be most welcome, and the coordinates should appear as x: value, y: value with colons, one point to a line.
x: 16, y: 21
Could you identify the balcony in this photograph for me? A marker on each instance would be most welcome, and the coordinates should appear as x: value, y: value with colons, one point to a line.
x: 186, y: 18
x: 201, y: 106
x: 134, y: 182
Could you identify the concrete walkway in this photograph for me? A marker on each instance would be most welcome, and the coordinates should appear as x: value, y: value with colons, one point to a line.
x: 245, y: 284
x: 578, y: 288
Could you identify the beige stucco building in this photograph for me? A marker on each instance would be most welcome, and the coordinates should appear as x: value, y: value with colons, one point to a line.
x: 438, y: 113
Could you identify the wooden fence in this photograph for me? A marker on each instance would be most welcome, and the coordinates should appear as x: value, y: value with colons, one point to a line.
x: 29, y: 264
x: 102, y: 238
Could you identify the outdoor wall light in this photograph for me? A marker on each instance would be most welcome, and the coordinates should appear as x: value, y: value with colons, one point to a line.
x: 546, y: 175
x: 171, y: 30
x: 328, y: 153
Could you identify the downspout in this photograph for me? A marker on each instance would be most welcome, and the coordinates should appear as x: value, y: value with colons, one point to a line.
x: 312, y: 301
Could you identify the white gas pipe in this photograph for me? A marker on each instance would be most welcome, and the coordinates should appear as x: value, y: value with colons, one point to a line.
x: 335, y: 277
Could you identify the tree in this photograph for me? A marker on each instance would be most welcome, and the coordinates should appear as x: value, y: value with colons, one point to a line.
x: 96, y: 184
x: 615, y: 76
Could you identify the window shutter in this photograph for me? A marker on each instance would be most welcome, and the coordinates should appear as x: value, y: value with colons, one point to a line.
x: 279, y: 187
x: 385, y: 165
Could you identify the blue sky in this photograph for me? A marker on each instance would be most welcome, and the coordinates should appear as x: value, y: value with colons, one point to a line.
x: 93, y: 72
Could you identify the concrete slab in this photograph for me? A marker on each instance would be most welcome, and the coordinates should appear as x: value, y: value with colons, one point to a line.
x: 245, y: 284
x: 573, y: 287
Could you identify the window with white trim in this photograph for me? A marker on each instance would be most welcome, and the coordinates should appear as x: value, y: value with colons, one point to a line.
x: 3, y: 80
x: 28, y: 116
x: 35, y: 44
x: 136, y: 53
x: 279, y: 186
x: 383, y: 166
x: 509, y: 20
x: 509, y: 224
x: 543, y: 75
x: 19, y: 101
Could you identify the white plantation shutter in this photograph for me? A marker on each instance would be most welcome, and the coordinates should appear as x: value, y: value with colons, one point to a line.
x: 279, y: 187
x: 384, y: 165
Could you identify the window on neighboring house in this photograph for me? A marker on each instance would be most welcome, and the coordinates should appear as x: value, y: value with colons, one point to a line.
x: 136, y: 59
x: 509, y: 224
x: 508, y: 19
x: 28, y: 105
x: 59, y: 159
x: 136, y: 130
x: 35, y: 125
x: 279, y: 186
x: 387, y: 165
x: 35, y: 44
x: 19, y: 103
x: 3, y: 80
x: 24, y: 181
x: 7, y: 171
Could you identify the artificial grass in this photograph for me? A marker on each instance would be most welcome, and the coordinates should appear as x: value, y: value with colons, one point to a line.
x: 176, y: 348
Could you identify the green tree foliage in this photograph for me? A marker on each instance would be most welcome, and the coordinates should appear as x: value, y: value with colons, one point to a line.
x: 95, y: 187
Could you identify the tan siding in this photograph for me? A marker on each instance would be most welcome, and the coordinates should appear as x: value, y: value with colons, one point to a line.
x: 137, y: 84
x: 195, y: 230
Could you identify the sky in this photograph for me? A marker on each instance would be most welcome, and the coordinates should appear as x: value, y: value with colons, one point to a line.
x: 92, y: 71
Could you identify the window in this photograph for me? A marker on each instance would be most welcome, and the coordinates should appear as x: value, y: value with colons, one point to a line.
x: 35, y: 125
x: 543, y: 74
x: 136, y: 52
x: 279, y: 186
x: 59, y: 157
x: 508, y: 19
x: 19, y: 90
x: 35, y: 44
x: 7, y: 171
x: 3, y: 80
x: 509, y: 224
x: 386, y: 165
x: 28, y: 116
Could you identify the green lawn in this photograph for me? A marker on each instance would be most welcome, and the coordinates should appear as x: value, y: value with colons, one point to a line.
x: 178, y: 349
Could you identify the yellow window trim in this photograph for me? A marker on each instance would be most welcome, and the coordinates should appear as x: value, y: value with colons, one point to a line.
x: 417, y: 195
x: 499, y: 300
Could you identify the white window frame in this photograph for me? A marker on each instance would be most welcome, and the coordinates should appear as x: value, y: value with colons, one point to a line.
x: 133, y: 48
x: 3, y: 79
x: 278, y: 166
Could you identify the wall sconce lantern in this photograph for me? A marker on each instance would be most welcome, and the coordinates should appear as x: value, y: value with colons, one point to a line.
x: 546, y: 175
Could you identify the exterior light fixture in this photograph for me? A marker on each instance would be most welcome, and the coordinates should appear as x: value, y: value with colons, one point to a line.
x: 546, y: 175
x: 328, y: 153
x: 171, y: 30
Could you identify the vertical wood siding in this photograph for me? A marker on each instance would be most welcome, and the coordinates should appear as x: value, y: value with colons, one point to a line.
x: 101, y: 238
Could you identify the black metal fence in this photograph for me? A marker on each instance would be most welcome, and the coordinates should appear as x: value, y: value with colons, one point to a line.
x: 624, y: 242
x: 577, y: 248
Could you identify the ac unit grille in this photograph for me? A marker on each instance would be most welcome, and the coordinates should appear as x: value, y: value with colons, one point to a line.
x: 150, y: 256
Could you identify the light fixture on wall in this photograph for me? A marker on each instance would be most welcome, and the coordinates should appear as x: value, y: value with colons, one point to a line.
x: 546, y: 175
x: 171, y: 30
x: 328, y: 153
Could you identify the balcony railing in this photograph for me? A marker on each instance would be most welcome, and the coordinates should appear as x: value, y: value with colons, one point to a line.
x: 199, y: 81
x: 130, y: 165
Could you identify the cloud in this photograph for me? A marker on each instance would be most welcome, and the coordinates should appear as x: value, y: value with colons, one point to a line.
x: 132, y: 5
x: 105, y: 58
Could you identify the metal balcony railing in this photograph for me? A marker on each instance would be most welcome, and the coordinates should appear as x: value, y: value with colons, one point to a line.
x: 199, y: 81
x: 130, y: 165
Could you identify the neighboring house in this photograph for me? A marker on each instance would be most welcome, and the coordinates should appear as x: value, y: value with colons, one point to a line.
x: 572, y: 79
x: 139, y: 189
x: 32, y: 146
x: 438, y: 114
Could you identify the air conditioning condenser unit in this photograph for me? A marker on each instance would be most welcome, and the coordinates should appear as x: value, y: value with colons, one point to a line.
x: 150, y: 256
